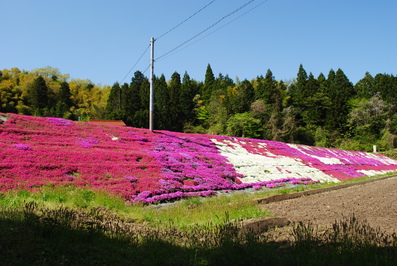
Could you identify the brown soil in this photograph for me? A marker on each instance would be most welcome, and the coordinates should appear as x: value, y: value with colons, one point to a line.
x: 373, y: 202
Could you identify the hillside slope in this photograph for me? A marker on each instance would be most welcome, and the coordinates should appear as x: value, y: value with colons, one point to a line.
x: 146, y: 166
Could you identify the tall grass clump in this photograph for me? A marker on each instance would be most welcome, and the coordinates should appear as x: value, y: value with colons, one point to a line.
x: 348, y: 239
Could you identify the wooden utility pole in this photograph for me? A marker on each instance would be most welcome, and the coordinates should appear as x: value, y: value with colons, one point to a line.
x: 151, y: 100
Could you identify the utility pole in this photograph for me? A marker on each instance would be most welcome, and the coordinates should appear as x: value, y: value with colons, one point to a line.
x: 151, y: 80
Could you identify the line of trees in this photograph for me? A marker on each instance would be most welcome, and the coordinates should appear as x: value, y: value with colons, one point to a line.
x: 326, y: 111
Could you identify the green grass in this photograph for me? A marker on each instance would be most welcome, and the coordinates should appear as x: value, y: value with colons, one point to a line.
x: 185, y: 212
x: 68, y: 196
x: 35, y: 235
x: 204, y: 210
x: 182, y: 213
x: 390, y: 153
x: 215, y: 209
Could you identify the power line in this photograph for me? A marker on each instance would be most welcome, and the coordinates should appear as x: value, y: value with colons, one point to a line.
x: 163, y: 57
x: 144, y: 52
x: 147, y: 48
x: 198, y: 34
x: 208, y: 28
x: 146, y: 69
x: 185, y: 20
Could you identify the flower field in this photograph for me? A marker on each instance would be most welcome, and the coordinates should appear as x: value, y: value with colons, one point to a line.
x: 144, y: 166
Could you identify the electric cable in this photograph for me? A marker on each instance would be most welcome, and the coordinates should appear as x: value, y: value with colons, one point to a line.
x: 146, y: 69
x: 216, y: 30
x: 185, y: 20
x: 144, y: 52
x: 163, y: 36
x: 206, y: 29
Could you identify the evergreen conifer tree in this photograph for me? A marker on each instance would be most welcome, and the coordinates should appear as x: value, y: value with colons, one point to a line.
x: 174, y: 102
x: 114, y: 107
x: 65, y: 94
x: 132, y: 102
x: 189, y: 89
x: 386, y: 85
x: 63, y: 100
x: 365, y: 87
x: 266, y: 88
x: 39, y: 95
x: 209, y: 84
x: 340, y: 91
x: 240, y: 98
x: 161, y: 104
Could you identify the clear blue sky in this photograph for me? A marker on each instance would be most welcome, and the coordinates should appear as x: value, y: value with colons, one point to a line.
x: 102, y: 40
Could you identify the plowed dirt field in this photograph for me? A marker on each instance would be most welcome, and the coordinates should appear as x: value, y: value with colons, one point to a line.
x: 373, y: 202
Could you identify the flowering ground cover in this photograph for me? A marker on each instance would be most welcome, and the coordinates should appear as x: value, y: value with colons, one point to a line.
x: 146, y: 166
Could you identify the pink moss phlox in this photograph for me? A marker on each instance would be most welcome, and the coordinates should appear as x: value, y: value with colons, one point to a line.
x: 22, y: 146
x: 149, y: 167
x: 131, y: 179
x: 170, y: 194
x: 60, y: 121
x: 87, y: 142
x: 192, y: 164
x: 57, y: 159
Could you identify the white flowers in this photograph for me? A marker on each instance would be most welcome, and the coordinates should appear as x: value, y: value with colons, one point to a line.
x: 262, y: 160
x: 266, y: 167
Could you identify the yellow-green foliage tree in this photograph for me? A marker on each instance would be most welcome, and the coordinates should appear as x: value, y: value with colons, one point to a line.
x: 20, y: 92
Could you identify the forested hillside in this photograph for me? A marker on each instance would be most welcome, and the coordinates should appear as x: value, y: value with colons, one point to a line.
x: 327, y: 110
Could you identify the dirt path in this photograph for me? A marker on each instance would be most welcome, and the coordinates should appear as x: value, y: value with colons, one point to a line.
x: 375, y: 202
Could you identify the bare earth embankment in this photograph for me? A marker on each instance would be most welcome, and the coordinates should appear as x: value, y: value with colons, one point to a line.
x: 374, y: 202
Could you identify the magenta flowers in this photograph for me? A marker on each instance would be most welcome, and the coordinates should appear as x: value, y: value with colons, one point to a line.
x: 142, y: 166
x: 21, y: 146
